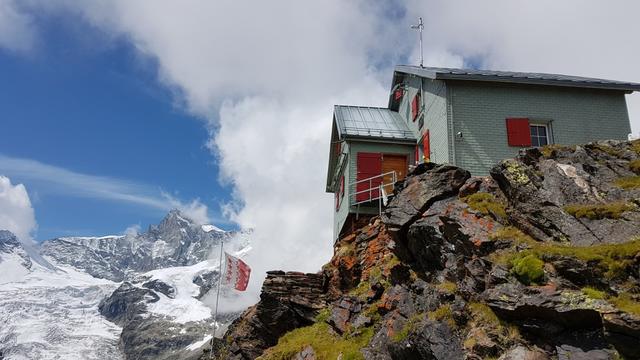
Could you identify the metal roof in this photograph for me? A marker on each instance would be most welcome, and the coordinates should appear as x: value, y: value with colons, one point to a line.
x: 517, y: 77
x: 371, y: 122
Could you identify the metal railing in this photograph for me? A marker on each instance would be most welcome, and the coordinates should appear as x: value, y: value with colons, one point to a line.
x: 374, y: 189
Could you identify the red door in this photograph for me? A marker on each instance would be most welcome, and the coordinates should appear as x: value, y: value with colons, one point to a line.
x: 426, y: 147
x: 368, y: 165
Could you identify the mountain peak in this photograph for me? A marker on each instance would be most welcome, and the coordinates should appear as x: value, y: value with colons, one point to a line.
x: 8, y: 240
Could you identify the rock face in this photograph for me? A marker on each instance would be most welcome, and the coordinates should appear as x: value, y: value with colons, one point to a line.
x: 538, y: 261
x: 288, y: 301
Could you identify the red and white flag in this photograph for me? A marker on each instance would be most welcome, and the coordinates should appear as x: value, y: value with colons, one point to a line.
x: 237, y: 273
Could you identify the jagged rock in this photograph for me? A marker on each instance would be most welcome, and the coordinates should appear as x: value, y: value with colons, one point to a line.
x: 483, y: 345
x: 160, y: 287
x: 306, y: 354
x: 543, y: 310
x: 419, y: 192
x: 434, y: 341
x: 206, y: 281
x: 125, y: 303
x: 288, y: 301
x: 523, y: 353
x: 568, y: 352
x: 539, y: 188
x: 623, y: 331
x: 344, y: 310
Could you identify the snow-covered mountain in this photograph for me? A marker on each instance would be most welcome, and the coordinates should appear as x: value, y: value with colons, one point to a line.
x: 176, y: 241
x: 112, y: 297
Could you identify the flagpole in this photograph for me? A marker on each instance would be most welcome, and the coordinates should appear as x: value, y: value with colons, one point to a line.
x: 215, y: 314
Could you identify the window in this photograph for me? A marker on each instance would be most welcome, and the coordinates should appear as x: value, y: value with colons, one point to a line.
x: 539, y: 134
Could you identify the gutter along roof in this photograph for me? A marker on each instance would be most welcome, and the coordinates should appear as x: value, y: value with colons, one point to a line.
x: 517, y: 78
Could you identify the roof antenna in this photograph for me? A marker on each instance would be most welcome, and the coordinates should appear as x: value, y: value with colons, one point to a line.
x: 419, y: 27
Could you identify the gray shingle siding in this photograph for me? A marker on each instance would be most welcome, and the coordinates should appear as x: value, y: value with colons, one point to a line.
x: 575, y: 116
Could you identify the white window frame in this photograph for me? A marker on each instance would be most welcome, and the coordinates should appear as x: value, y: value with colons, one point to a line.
x: 547, y: 127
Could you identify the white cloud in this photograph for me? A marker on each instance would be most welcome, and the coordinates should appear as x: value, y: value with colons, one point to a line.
x: 54, y: 179
x: 16, y: 212
x: 17, y: 32
x: 576, y: 37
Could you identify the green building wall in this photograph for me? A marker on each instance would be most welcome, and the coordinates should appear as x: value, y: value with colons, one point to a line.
x: 434, y: 115
x: 575, y: 116
x: 350, y: 174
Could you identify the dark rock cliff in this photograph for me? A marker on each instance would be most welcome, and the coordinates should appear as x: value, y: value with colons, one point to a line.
x: 538, y: 261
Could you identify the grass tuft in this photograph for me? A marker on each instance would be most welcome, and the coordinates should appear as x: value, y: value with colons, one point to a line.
x: 607, y: 149
x: 635, y: 146
x: 628, y: 182
x: 447, y: 287
x: 443, y: 313
x: 594, y: 293
x: 550, y: 151
x: 410, y: 326
x: 324, y: 341
x: 635, y: 166
x: 627, y: 304
x: 486, y: 204
x: 599, y: 211
x: 484, y: 316
x: 513, y: 234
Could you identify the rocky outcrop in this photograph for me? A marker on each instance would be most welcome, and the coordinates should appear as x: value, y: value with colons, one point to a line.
x: 145, y: 335
x: 538, y: 261
x: 289, y: 300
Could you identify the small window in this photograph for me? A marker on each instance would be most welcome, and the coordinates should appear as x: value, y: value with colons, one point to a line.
x: 539, y: 134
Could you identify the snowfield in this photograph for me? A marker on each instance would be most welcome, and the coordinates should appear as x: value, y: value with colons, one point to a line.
x: 184, y: 307
x: 49, y: 314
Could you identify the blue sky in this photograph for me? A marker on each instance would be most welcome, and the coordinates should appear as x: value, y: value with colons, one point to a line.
x: 99, y: 110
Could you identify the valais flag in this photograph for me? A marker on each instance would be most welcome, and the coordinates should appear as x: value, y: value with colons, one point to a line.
x: 237, y: 273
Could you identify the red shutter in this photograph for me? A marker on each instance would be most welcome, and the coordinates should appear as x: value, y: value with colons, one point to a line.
x: 426, y: 146
x: 415, y: 106
x: 416, y: 156
x: 518, y: 133
x: 368, y: 165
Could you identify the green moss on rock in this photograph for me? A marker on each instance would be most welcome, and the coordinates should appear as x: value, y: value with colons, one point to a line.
x: 599, y: 211
x: 594, y: 293
x: 325, y: 343
x: 615, y: 260
x: 551, y: 150
x: 447, y: 287
x: 444, y: 314
x: 529, y: 269
x: 486, y: 204
x: 635, y: 166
